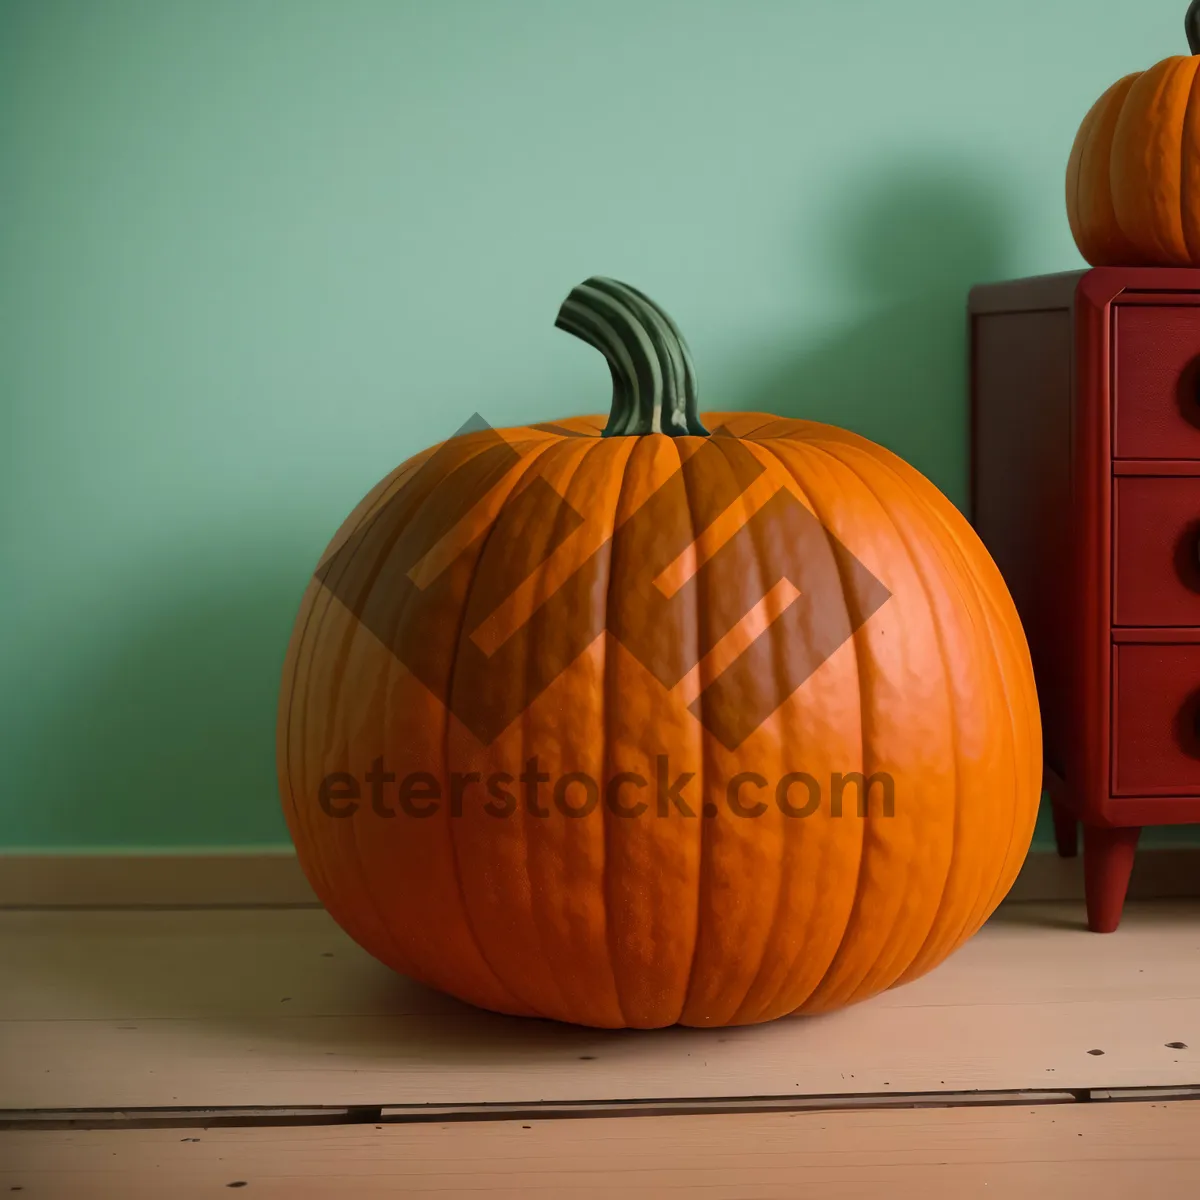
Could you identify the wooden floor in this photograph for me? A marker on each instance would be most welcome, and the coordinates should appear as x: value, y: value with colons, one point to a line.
x: 172, y: 1053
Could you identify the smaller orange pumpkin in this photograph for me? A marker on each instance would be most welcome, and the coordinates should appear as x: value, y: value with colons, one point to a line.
x: 1133, y: 181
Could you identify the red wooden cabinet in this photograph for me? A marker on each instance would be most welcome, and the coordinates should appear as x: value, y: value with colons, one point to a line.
x: 1085, y: 487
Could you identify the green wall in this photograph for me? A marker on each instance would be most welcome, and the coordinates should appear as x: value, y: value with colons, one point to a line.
x: 252, y: 254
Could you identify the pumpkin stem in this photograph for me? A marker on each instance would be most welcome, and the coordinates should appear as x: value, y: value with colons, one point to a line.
x: 1191, y: 23
x: 654, y: 381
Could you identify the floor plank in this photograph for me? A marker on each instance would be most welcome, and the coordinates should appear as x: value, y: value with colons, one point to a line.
x: 97, y: 964
x: 277, y: 1007
x: 1106, y: 1151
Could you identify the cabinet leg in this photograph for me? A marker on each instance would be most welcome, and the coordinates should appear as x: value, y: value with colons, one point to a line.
x: 1107, y: 862
x: 1066, y: 830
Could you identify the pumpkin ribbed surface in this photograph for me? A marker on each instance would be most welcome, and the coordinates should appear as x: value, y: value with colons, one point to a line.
x: 603, y: 610
x: 1133, y: 177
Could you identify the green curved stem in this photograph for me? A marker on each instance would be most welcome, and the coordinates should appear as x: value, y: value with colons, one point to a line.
x: 654, y: 380
x: 1191, y: 24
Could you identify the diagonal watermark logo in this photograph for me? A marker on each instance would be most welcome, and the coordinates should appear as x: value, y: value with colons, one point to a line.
x: 403, y: 575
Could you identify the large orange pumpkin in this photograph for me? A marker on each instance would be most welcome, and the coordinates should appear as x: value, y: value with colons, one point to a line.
x: 577, y: 719
x: 1133, y: 179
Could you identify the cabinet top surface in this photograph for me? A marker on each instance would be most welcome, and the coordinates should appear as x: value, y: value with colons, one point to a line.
x: 1097, y: 287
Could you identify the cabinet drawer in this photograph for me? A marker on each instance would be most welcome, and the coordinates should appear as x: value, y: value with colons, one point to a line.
x: 1156, y: 552
x: 1156, y: 708
x: 1157, y: 381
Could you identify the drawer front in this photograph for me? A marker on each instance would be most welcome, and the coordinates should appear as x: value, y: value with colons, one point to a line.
x: 1156, y: 551
x: 1157, y: 381
x: 1156, y: 709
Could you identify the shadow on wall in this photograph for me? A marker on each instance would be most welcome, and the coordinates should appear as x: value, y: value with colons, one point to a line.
x: 905, y: 245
